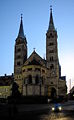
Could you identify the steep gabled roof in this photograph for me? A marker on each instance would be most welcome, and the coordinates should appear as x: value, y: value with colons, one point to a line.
x: 51, y: 23
x: 21, y: 31
x: 34, y: 62
x: 35, y: 59
x: 6, y: 80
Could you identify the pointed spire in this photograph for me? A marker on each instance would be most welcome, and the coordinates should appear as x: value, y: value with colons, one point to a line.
x: 51, y: 23
x: 21, y: 31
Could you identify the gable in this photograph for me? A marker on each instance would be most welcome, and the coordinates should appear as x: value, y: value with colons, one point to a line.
x: 34, y: 62
x: 35, y: 59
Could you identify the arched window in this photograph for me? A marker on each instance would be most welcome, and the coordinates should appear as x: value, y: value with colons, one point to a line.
x: 53, y: 93
x: 52, y: 66
x: 30, y: 79
x: 37, y: 79
x: 18, y: 63
x: 25, y: 81
x: 51, y: 35
x: 51, y: 58
x: 42, y: 79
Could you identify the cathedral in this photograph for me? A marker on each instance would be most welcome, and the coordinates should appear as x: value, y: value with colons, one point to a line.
x: 34, y: 75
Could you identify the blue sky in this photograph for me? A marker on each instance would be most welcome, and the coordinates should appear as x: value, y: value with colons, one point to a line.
x: 35, y: 21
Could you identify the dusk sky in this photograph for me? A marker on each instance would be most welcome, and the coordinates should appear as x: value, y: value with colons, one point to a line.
x: 36, y: 14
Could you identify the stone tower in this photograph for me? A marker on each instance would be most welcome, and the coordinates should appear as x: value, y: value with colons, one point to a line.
x: 52, y: 52
x: 20, y: 54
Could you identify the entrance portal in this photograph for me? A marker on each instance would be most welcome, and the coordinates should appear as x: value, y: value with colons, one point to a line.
x: 53, y: 93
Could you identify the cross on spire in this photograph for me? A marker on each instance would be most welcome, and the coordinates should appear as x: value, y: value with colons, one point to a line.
x: 34, y: 49
x: 21, y: 16
x: 50, y: 7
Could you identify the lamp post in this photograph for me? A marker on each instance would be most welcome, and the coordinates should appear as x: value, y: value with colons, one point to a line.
x: 26, y: 87
x: 40, y: 86
x: 57, y: 88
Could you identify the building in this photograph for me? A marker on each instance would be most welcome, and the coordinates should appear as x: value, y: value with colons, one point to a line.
x: 71, y: 94
x: 6, y: 85
x: 35, y: 75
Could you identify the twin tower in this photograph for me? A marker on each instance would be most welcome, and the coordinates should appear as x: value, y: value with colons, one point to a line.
x: 35, y: 75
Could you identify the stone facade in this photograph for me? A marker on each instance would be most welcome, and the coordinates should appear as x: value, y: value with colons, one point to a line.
x: 35, y: 75
x: 20, y: 55
x: 5, y: 91
x: 6, y: 85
